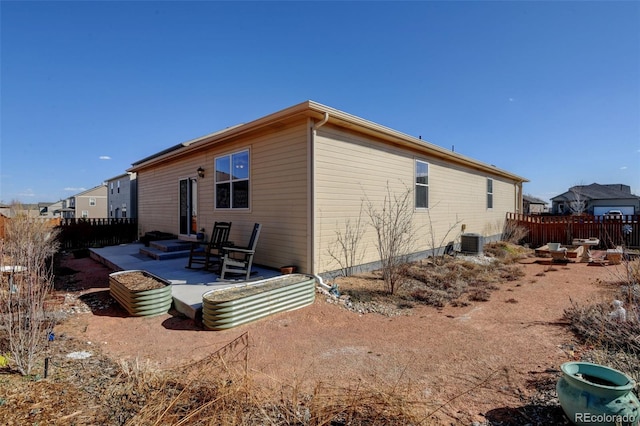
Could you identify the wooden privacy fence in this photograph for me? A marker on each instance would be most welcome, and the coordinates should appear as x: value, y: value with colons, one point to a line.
x: 612, y: 232
x: 84, y: 233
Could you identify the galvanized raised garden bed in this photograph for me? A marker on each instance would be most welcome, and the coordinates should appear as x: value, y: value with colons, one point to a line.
x: 230, y: 307
x: 141, y: 293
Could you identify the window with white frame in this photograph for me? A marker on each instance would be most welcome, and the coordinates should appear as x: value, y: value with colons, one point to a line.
x: 85, y: 213
x: 232, y: 181
x: 489, y: 193
x: 422, y: 184
x: 92, y: 201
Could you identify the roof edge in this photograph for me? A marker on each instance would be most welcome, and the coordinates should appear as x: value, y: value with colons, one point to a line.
x: 337, y: 117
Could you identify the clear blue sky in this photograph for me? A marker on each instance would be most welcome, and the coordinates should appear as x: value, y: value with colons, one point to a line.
x: 546, y: 90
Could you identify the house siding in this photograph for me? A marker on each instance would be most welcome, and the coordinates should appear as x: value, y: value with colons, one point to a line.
x: 353, y: 170
x: 121, y: 192
x: 278, y: 193
x: 82, y: 202
x: 311, y: 169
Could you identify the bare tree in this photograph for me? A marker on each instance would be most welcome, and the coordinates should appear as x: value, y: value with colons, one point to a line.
x: 346, y: 248
x: 393, y: 223
x: 578, y: 204
x: 26, y: 258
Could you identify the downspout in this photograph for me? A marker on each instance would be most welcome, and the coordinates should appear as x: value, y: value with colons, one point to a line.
x: 312, y: 192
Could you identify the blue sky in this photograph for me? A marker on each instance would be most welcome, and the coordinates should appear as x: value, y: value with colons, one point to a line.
x: 546, y: 90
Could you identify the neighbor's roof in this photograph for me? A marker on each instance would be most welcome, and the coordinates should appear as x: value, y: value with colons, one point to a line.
x: 336, y: 117
x: 87, y: 191
x: 533, y: 200
x: 120, y: 176
x: 595, y: 191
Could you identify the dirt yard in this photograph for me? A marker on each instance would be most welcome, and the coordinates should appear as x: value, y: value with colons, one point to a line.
x: 488, y: 362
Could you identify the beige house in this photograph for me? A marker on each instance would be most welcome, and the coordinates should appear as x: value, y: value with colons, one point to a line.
x: 89, y: 204
x: 304, y: 172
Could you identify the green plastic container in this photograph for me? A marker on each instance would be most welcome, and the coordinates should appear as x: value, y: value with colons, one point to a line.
x: 592, y: 394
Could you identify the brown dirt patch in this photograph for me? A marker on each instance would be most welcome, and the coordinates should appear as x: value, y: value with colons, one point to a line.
x: 484, y: 361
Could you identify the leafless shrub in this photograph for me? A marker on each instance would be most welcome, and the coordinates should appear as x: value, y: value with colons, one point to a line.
x: 448, y: 282
x: 346, y: 248
x: 507, y: 252
x: 393, y: 223
x: 26, y: 255
x: 593, y: 324
x: 432, y: 296
x: 479, y: 294
x: 611, y: 341
x: 513, y: 233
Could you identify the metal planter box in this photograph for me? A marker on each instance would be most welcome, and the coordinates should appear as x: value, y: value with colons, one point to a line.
x: 141, y: 293
x: 230, y: 307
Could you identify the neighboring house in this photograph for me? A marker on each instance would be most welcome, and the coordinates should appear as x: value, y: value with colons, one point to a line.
x: 30, y: 210
x: 90, y: 204
x: 5, y: 210
x: 596, y: 199
x: 122, y: 196
x: 306, y: 173
x: 50, y: 210
x: 533, y: 205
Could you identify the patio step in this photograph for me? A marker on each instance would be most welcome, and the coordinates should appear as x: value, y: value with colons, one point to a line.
x: 158, y: 254
x: 170, y: 245
x: 166, y: 249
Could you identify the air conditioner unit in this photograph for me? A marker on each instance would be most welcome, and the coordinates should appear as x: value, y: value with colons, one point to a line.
x: 471, y: 243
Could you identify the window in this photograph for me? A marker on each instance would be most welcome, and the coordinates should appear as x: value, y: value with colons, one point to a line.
x: 489, y: 193
x: 92, y: 201
x: 124, y: 209
x: 422, y: 184
x: 85, y: 213
x: 232, y: 181
x: 112, y: 187
x: 118, y: 187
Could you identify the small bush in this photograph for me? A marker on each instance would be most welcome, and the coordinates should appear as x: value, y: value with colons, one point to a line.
x: 431, y: 296
x: 514, y: 233
x: 592, y: 323
x: 479, y: 295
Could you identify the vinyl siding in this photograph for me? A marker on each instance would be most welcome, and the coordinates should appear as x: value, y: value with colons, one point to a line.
x: 100, y: 210
x: 278, y: 193
x: 352, y: 171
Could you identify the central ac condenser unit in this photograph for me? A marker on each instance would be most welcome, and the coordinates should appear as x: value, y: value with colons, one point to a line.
x: 471, y: 243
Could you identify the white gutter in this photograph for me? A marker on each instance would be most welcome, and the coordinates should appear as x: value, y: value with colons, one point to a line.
x: 312, y: 192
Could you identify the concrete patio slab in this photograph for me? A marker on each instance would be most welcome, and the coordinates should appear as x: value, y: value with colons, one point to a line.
x: 188, y: 285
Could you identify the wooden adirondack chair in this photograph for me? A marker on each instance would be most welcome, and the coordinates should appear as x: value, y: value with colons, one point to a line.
x: 209, y: 254
x: 238, y: 260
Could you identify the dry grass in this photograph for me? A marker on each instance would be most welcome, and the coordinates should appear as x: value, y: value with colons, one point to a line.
x: 612, y: 342
x: 452, y: 280
x: 458, y: 278
x: 220, y: 389
x: 217, y: 390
